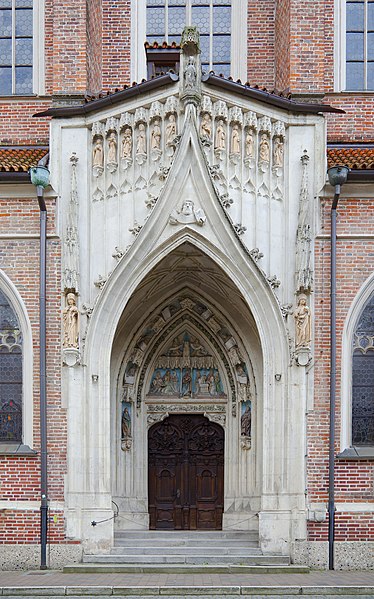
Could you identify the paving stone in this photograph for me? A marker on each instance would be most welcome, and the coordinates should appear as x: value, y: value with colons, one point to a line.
x: 202, y: 590
x: 139, y: 592
x: 83, y: 590
x: 32, y: 591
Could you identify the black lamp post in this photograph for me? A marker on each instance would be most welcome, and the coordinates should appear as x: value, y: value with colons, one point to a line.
x: 337, y: 177
x: 40, y: 178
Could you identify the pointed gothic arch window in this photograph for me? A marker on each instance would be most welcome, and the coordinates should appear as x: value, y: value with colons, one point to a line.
x: 363, y: 378
x: 11, y: 375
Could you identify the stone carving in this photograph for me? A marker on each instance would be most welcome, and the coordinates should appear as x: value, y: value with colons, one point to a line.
x: 150, y: 201
x: 225, y: 200
x: 111, y: 124
x: 190, y: 407
x: 303, y: 323
x: 236, y: 115
x: 187, y: 214
x: 171, y: 105
x: 70, y: 317
x: 171, y: 130
x: 156, y: 110
x: 118, y: 254
x: 141, y: 143
x: 163, y: 172
x: 286, y: 310
x: 234, y: 355
x: 126, y: 153
x: 240, y: 229
x: 304, y: 272
x: 153, y: 418
x: 256, y: 254
x: 246, y: 419
x: 98, y: 156
x: 249, y: 144
x: 187, y: 303
x: 126, y: 426
x: 190, y: 74
x: 245, y: 443
x: 220, y: 109
x: 220, y: 137
x: 135, y: 230
x: 100, y: 282
x: 112, y: 149
x: 273, y: 281
x: 156, y: 135
x: 264, y: 152
x: 206, y: 126
x: 264, y: 125
x: 235, y: 139
x: 218, y: 418
x: 250, y: 120
x: 278, y: 152
x: 71, y: 272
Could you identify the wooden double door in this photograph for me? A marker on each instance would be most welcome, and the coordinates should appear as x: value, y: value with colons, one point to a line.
x: 185, y: 476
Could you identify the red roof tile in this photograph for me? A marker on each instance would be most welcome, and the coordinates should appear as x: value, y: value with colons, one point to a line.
x: 356, y: 158
x: 20, y: 159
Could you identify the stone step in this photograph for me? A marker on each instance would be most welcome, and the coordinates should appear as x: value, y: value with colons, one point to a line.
x: 211, y: 535
x: 187, y: 550
x: 171, y: 542
x: 94, y: 568
x: 245, y: 559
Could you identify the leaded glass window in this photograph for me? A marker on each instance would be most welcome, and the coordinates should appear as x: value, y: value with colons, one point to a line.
x: 360, y: 45
x: 16, y: 47
x: 363, y: 378
x: 167, y: 18
x: 10, y: 373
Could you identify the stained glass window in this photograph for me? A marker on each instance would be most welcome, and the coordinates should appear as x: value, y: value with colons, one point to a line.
x: 167, y: 18
x: 10, y: 373
x: 360, y: 45
x: 363, y: 378
x: 16, y: 47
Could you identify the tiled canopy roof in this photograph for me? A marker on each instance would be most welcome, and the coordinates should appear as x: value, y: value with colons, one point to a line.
x: 355, y: 157
x: 20, y: 159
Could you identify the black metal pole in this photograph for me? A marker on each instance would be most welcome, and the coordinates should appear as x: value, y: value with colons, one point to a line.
x: 331, y: 504
x: 43, y: 381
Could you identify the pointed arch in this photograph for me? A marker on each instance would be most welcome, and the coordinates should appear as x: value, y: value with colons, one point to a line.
x: 17, y: 304
x: 356, y: 309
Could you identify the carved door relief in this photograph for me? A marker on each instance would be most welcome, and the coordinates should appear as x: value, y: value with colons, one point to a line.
x: 185, y: 476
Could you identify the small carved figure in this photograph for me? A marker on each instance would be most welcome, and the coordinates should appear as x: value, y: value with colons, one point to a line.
x: 264, y: 148
x: 70, y: 316
x: 278, y: 152
x: 126, y: 424
x: 127, y: 143
x: 220, y: 136
x: 190, y: 74
x: 245, y: 421
x: 187, y: 214
x: 156, y: 136
x: 141, y: 140
x: 171, y: 129
x: 249, y: 144
x: 235, y: 140
x: 112, y: 148
x: 97, y: 154
x: 303, y: 323
x: 206, y: 126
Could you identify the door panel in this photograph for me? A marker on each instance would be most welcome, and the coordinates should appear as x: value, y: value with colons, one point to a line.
x: 185, y: 481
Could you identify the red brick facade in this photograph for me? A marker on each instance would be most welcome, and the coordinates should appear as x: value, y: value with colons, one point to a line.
x: 88, y: 49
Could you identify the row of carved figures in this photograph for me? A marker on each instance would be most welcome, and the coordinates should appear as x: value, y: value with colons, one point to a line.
x: 140, y: 141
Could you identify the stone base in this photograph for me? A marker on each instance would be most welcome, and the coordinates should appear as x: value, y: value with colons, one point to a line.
x: 355, y: 555
x: 27, y: 557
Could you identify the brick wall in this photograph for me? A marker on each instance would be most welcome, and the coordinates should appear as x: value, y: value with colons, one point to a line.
x: 19, y: 475
x: 18, y: 127
x: 116, y: 43
x: 355, y: 262
x: 261, y: 18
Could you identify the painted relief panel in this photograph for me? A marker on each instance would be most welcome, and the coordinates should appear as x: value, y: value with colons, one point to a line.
x: 186, y: 370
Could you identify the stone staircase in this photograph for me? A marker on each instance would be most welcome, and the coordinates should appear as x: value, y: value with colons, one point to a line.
x: 185, y: 551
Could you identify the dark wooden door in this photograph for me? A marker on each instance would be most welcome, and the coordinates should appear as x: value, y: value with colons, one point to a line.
x: 185, y: 473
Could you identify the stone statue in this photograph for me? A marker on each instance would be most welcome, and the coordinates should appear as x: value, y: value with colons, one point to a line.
x: 98, y: 154
x: 206, y: 126
x: 245, y: 421
x: 187, y: 214
x: 141, y: 140
x: 235, y: 140
x: 156, y: 135
x: 264, y: 148
x: 127, y: 143
x: 190, y: 74
x: 303, y: 323
x: 112, y: 148
x: 220, y: 142
x: 70, y: 316
x: 126, y: 424
x: 171, y: 129
x: 278, y: 152
x: 249, y: 144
